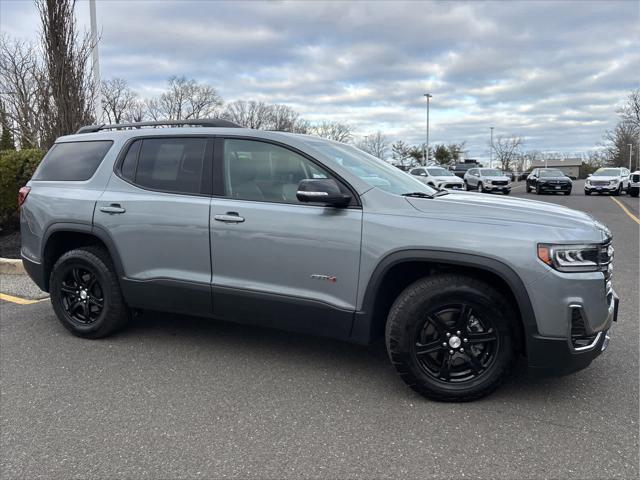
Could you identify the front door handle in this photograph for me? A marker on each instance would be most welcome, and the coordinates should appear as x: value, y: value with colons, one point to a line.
x: 113, y: 208
x: 229, y: 217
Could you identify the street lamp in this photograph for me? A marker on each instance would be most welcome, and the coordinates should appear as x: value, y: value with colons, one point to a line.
x: 426, y: 154
x: 630, y: 153
x: 491, y: 149
x: 96, y: 61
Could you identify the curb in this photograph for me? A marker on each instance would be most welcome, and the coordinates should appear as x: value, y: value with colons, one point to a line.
x: 11, y: 266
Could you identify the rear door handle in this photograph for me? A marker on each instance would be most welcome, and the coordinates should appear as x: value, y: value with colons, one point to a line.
x: 113, y: 209
x: 229, y: 217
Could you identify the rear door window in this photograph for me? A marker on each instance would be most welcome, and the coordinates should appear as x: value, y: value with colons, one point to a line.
x: 72, y: 161
x: 174, y: 165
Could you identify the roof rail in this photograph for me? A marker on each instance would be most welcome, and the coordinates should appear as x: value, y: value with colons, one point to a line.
x: 209, y: 122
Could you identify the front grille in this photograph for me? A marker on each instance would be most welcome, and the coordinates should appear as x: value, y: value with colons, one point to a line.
x: 499, y: 182
x: 453, y: 185
x: 599, y: 183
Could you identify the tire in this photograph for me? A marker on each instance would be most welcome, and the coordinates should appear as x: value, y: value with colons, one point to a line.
x: 527, y: 188
x: 568, y: 192
x: 445, y: 297
x: 618, y: 192
x: 466, y: 186
x: 587, y: 192
x: 633, y: 191
x: 538, y: 190
x: 480, y: 187
x: 96, y: 308
x: 507, y: 192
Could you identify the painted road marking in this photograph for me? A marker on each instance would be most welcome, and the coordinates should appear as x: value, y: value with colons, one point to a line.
x: 18, y: 300
x: 626, y: 210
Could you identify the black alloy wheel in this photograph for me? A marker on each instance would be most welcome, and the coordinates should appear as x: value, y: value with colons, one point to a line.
x: 81, y: 294
x: 454, y: 344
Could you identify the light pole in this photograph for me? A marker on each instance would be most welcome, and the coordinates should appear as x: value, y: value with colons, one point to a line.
x: 426, y: 154
x: 96, y: 61
x: 491, y: 149
x: 630, y: 154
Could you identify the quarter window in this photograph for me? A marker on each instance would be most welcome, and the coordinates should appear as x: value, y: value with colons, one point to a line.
x: 266, y: 172
x: 72, y: 161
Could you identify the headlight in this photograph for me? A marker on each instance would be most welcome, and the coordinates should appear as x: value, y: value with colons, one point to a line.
x: 613, y: 182
x: 573, y: 258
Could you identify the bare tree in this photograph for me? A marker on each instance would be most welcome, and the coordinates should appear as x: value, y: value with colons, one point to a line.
x: 616, y: 145
x: 65, y: 83
x: 119, y: 101
x: 506, y: 149
x: 375, y: 144
x: 456, y: 150
x: 185, y: 99
x: 340, y: 132
x: 630, y: 111
x: 400, y: 154
x: 283, y: 118
x: 250, y: 114
x: 19, y: 85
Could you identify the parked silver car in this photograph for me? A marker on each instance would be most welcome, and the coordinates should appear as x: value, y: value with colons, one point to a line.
x: 306, y: 234
x: 608, y: 180
x: 634, y: 183
x: 487, y: 180
x: 438, y: 177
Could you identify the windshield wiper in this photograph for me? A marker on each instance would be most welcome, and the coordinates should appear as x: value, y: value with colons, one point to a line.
x: 417, y: 195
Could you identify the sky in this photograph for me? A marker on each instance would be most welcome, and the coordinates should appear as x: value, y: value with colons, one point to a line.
x: 550, y: 72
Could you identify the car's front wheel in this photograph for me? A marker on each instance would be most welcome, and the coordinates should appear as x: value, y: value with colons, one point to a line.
x: 480, y: 187
x: 633, y: 191
x: 86, y: 295
x: 449, y: 337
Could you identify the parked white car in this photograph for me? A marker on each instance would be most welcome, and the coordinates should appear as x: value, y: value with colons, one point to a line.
x: 634, y: 183
x: 487, y: 180
x: 438, y: 177
x: 613, y: 180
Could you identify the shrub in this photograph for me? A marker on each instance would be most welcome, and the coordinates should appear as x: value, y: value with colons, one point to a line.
x: 16, y: 168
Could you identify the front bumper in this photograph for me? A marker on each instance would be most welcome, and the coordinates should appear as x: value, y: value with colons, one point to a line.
x: 551, y: 187
x: 451, y: 185
x: 497, y: 188
x: 603, y: 189
x: 549, y: 356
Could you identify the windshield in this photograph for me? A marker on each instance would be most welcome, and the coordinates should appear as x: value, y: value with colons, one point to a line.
x: 491, y: 172
x: 607, y: 172
x: 551, y: 173
x: 372, y: 170
x: 438, y: 172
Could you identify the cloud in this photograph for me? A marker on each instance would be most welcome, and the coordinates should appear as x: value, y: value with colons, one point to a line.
x: 552, y: 72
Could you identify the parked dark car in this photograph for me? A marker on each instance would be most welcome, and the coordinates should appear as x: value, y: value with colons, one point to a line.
x: 548, y: 180
x: 459, y: 169
x: 525, y: 174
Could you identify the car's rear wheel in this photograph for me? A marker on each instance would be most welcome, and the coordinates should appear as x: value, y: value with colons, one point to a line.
x: 85, y: 293
x: 449, y: 337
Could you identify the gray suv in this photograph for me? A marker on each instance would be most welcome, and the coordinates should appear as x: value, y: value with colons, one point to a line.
x: 310, y: 235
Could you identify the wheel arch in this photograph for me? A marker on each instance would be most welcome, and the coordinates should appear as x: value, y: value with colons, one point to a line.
x: 401, y: 268
x: 63, y: 237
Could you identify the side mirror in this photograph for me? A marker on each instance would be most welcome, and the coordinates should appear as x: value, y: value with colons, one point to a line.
x: 324, y: 191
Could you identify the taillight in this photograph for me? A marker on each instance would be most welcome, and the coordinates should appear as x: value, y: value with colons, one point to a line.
x: 22, y: 195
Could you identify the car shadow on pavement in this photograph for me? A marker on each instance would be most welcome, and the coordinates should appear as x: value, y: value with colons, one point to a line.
x: 294, y: 351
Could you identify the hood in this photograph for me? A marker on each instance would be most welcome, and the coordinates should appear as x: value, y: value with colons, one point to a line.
x: 602, y: 178
x: 544, y: 179
x: 447, y: 178
x: 473, y: 207
x: 500, y: 178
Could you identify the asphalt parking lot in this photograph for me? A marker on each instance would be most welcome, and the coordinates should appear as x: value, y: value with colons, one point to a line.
x: 176, y: 397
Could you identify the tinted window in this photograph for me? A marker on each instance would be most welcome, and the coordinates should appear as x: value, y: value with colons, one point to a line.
x: 171, y: 164
x: 130, y: 162
x: 266, y: 172
x: 418, y: 171
x: 72, y: 161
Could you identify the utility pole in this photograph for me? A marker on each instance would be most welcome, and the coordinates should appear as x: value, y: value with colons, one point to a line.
x: 96, y: 62
x: 426, y: 154
x: 630, y: 154
x: 491, y: 149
